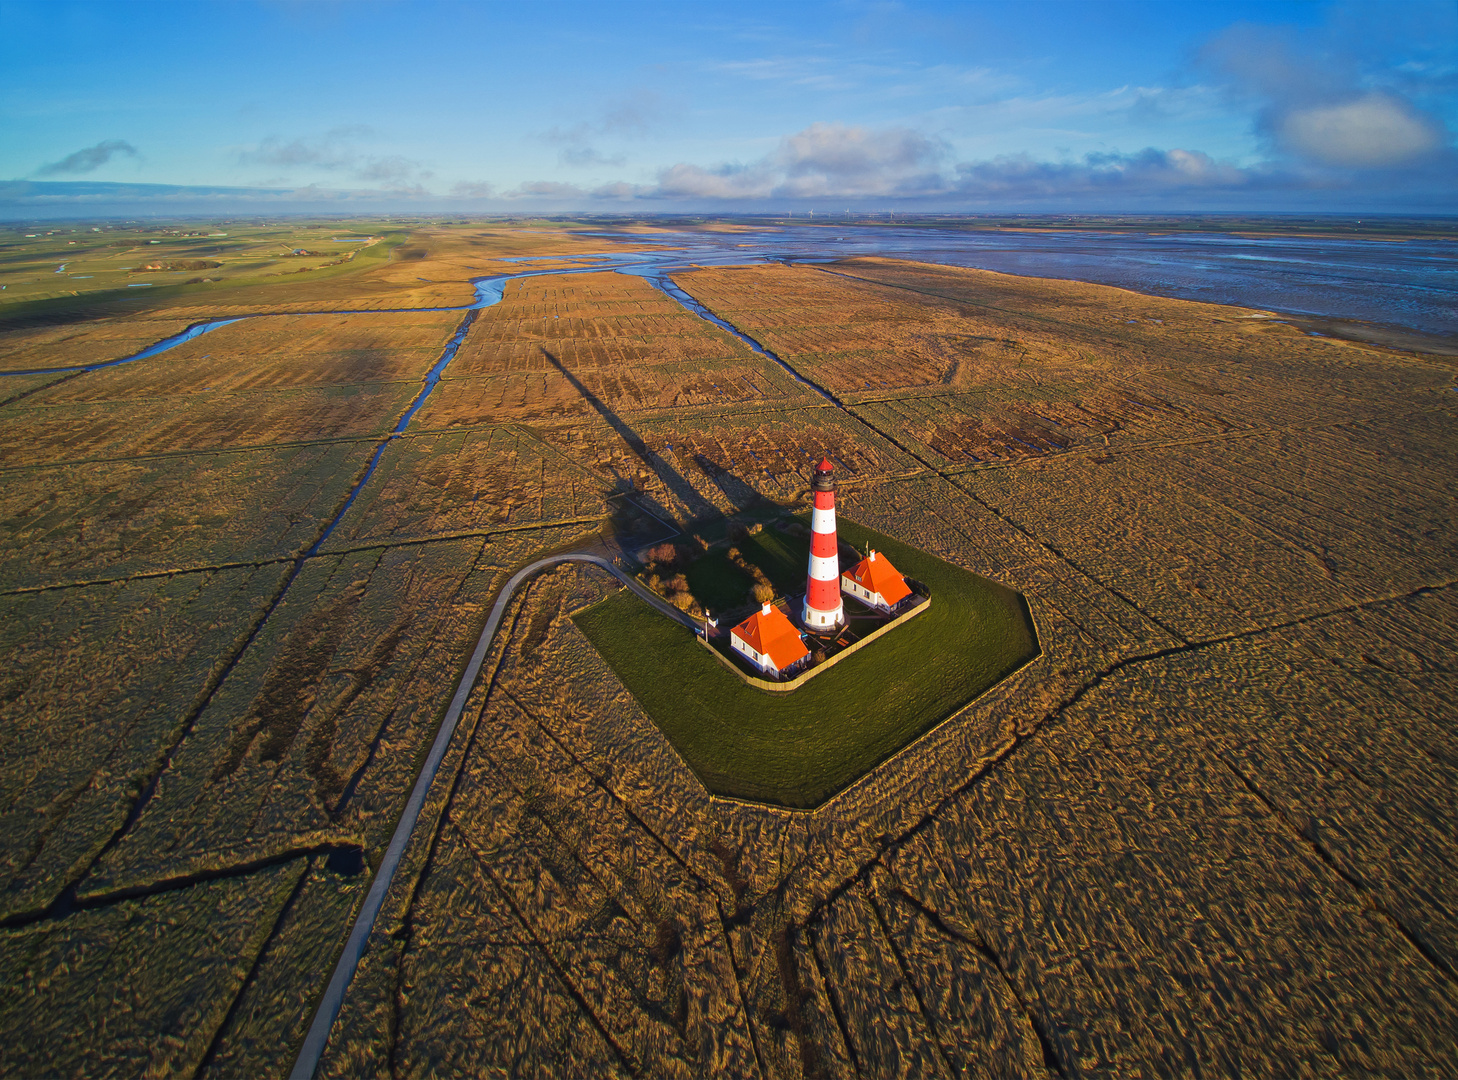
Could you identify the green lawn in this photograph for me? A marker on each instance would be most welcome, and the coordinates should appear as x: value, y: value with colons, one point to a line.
x: 721, y: 586
x: 797, y: 749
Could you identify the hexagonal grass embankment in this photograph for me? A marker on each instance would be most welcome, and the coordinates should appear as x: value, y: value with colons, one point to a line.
x: 798, y: 749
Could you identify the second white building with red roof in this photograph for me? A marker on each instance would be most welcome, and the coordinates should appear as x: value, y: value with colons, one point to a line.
x: 769, y: 641
x: 875, y: 582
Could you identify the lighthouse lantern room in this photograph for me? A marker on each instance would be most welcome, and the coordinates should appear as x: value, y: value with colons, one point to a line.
x: 823, y: 609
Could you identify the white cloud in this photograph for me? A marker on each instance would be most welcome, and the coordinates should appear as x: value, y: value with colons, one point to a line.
x: 546, y: 189
x: 837, y: 161
x: 631, y: 117
x: 581, y: 157
x: 822, y: 160
x: 1326, y: 104
x: 388, y: 170
x: 1372, y: 131
x: 1149, y: 172
x: 334, y: 152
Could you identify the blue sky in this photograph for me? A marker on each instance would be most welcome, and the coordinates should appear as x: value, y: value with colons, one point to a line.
x: 764, y: 107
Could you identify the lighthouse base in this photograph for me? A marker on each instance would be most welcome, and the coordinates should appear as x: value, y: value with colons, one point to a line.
x: 818, y: 621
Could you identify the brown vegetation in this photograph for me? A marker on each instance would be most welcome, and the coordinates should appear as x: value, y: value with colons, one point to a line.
x: 560, y: 348
x: 479, y: 480
x: 1210, y: 829
x: 1177, y: 804
x: 257, y: 382
x: 91, y: 342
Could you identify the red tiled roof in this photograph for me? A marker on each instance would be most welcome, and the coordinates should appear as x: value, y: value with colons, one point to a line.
x: 774, y: 635
x: 876, y: 573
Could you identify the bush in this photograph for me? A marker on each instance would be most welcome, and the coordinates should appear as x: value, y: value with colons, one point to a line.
x: 763, y: 591
x: 664, y: 554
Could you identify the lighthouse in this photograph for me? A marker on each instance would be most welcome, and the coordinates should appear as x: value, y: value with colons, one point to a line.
x: 823, y: 608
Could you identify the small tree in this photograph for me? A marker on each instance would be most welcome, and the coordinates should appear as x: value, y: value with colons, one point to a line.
x: 664, y: 554
x: 763, y: 592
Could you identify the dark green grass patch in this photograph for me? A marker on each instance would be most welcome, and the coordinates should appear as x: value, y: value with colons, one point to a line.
x: 717, y: 583
x: 721, y: 586
x: 781, y: 556
x: 798, y: 749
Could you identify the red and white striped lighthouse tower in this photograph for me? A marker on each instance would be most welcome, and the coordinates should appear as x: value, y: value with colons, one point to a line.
x: 823, y: 607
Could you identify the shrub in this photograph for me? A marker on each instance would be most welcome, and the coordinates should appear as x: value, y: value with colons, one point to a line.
x: 664, y: 554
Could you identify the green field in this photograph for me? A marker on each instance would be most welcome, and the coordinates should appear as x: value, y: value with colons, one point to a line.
x: 721, y: 586
x: 798, y: 749
x: 87, y: 270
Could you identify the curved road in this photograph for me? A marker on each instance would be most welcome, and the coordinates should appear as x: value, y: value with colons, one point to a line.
x: 354, y: 948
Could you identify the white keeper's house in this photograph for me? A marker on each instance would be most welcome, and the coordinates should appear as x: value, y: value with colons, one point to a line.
x: 875, y: 582
x: 769, y: 641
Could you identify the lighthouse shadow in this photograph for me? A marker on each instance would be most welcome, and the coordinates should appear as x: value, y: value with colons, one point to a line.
x: 739, y: 494
x: 688, y: 496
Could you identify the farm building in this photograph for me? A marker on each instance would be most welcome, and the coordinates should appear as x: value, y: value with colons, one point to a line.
x: 874, y: 581
x: 769, y: 641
